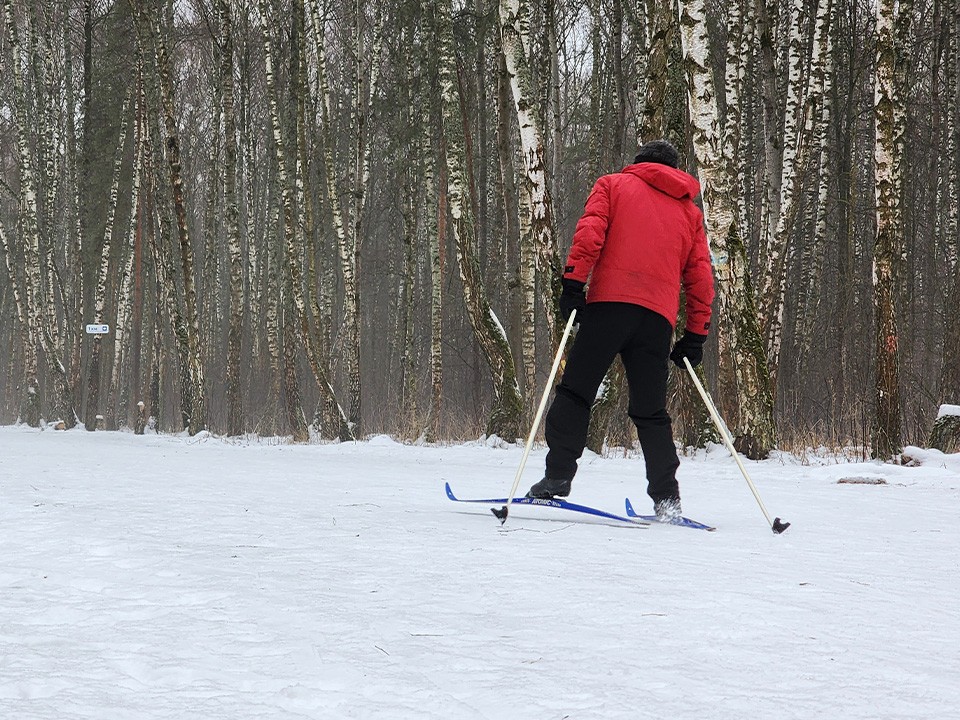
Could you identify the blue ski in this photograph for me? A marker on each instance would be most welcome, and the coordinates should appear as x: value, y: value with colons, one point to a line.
x: 679, y: 522
x: 554, y: 503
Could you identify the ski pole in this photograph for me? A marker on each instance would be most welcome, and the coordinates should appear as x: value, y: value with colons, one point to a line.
x: 501, y: 514
x: 776, y: 524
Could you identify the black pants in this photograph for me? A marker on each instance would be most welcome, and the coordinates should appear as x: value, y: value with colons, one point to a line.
x: 642, y: 339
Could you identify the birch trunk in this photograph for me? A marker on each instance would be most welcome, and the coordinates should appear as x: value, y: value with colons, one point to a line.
x: 248, y: 135
x: 508, y: 176
x: 48, y: 144
x: 408, y: 176
x: 169, y: 300
x: 437, y: 253
x: 893, y: 24
x: 358, y: 179
x: 822, y: 72
x: 156, y: 355
x: 350, y: 256
x: 515, y: 30
x: 408, y: 385
x: 773, y: 284
x: 37, y: 296
x: 436, y: 214
x: 94, y: 369
x: 765, y: 14
x: 73, y: 256
x: 125, y: 298
x: 596, y: 90
x: 198, y: 410
x: 507, y: 410
x: 291, y: 387
x: 698, y: 427
x: 235, y: 332
x: 619, y: 86
x: 209, y: 287
x: 29, y: 409
x: 556, y: 109
x: 346, y: 242
x: 273, y: 285
x: 950, y: 368
x: 345, y: 431
x: 659, y: 15
x: 754, y: 429
x: 168, y: 296
x: 363, y: 127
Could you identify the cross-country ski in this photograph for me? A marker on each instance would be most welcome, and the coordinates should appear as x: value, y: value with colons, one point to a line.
x: 580, y: 513
x: 680, y: 521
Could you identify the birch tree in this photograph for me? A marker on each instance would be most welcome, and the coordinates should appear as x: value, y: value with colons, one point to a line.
x: 507, y: 409
x: 347, y: 234
x: 78, y: 168
x: 37, y: 295
x: 169, y: 299
x: 893, y: 27
x: 436, y: 216
x: 820, y: 117
x: 950, y: 367
x: 29, y: 406
x: 234, y: 252
x: 754, y: 428
x: 125, y: 300
x: 537, y: 235
x: 154, y: 26
x: 358, y: 179
x: 765, y: 19
x: 290, y: 226
x: 95, y: 371
x: 773, y: 285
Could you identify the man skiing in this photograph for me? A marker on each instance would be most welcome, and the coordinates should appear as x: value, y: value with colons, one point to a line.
x: 640, y: 238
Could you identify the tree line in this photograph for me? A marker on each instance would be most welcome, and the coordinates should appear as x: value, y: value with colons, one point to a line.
x: 334, y: 218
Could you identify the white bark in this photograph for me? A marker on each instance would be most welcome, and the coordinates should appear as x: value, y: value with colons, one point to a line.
x: 168, y: 106
x: 37, y: 296
x: 890, y: 126
x: 124, y: 303
x: 755, y: 428
x: 234, y: 249
x: 773, y: 287
x: 536, y: 223
x: 345, y: 430
x: 508, y: 404
x: 821, y: 109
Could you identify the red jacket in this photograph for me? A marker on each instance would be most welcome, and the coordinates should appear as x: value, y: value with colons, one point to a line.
x: 641, y: 236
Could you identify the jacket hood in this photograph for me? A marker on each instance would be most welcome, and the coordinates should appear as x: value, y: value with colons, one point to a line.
x: 673, y: 182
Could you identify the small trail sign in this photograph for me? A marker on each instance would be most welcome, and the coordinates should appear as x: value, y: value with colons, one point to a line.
x: 98, y: 329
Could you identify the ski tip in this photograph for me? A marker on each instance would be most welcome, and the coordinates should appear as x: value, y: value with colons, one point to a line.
x: 779, y: 526
x: 500, y: 514
x: 450, y: 492
x: 630, y: 511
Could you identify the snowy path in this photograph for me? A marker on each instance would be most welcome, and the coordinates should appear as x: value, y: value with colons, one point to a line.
x: 165, y: 577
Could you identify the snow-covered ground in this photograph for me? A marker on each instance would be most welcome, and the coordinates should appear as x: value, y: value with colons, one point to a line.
x: 173, y: 577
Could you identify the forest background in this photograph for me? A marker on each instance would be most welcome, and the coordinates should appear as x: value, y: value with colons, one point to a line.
x: 325, y: 218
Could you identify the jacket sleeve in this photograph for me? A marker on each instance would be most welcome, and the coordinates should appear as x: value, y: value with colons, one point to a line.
x: 590, y: 234
x: 698, y: 280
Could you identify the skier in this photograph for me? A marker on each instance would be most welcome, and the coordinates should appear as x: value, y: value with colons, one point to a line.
x: 640, y: 238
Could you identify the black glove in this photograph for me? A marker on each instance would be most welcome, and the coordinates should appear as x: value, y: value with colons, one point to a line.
x: 572, y: 298
x: 690, y: 346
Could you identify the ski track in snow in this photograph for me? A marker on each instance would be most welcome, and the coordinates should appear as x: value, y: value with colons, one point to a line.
x: 170, y: 577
